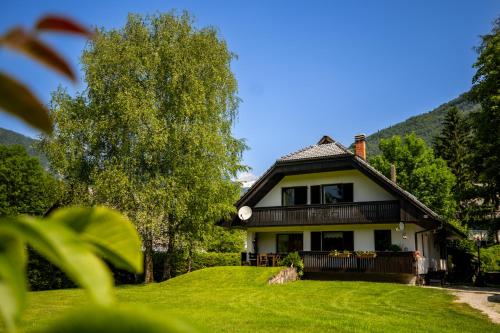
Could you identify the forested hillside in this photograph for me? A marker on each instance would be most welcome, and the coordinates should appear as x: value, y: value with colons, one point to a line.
x: 8, y: 137
x: 426, y: 125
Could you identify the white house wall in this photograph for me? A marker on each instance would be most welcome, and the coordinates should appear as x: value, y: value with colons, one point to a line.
x: 364, y: 237
x: 363, y: 187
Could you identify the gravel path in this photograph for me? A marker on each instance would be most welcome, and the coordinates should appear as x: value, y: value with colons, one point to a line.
x: 486, y: 300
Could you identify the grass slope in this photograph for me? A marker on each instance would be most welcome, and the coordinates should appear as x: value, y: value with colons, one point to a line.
x: 427, y: 125
x: 238, y: 299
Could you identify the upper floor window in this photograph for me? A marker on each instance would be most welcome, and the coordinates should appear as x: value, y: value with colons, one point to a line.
x: 334, y: 193
x: 292, y: 196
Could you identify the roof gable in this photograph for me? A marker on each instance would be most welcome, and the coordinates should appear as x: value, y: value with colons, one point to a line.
x: 326, y: 147
x: 327, y: 155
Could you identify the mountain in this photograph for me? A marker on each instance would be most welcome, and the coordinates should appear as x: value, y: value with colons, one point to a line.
x: 8, y: 137
x: 426, y: 125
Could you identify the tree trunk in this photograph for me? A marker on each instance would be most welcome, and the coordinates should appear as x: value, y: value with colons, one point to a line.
x: 148, y: 259
x: 190, y: 258
x: 168, y: 263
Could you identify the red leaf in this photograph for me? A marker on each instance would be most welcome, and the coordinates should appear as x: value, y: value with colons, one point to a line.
x: 17, y: 99
x: 19, y: 40
x: 61, y: 24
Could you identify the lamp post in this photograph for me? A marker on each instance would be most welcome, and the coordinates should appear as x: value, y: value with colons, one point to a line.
x: 478, y: 236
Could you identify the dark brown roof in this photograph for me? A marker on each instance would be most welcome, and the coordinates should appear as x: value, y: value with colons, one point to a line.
x: 329, y: 149
x: 326, y: 147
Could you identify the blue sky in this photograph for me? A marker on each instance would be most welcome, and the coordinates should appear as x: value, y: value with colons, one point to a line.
x: 305, y: 68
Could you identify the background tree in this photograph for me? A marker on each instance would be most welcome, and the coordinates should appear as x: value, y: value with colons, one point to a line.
x: 151, y: 134
x: 25, y: 187
x: 418, y: 171
x: 453, y: 145
x: 486, y: 122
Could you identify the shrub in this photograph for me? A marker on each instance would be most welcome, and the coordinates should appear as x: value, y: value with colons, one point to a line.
x: 43, y: 275
x: 293, y: 259
x: 490, y: 258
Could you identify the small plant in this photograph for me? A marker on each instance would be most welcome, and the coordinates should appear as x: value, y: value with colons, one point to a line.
x: 366, y: 254
x: 293, y: 259
x: 341, y: 254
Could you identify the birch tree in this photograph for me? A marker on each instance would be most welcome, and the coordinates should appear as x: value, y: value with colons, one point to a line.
x: 151, y: 134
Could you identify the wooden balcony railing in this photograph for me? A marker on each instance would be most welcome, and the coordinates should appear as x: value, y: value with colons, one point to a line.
x: 343, y: 213
x: 383, y: 262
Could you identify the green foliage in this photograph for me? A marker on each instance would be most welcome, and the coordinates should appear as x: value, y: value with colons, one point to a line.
x: 42, y: 275
x: 239, y: 299
x: 10, y: 138
x: 151, y: 133
x: 25, y: 187
x: 418, y: 171
x: 426, y: 126
x: 73, y: 240
x: 486, y: 122
x: 220, y: 239
x: 453, y: 145
x: 490, y: 258
x: 116, y: 320
x: 293, y: 259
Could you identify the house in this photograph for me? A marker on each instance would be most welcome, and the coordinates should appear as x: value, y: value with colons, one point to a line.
x: 341, y: 215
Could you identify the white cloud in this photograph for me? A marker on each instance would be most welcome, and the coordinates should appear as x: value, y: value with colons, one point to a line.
x: 246, y: 179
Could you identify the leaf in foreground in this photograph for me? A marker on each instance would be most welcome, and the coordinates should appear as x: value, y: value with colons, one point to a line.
x: 113, y: 235
x: 64, y: 248
x: 12, y: 279
x: 17, y: 100
x: 21, y: 41
x: 61, y: 24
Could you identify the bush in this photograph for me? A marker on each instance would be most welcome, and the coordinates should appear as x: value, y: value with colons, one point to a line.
x: 490, y: 259
x: 42, y: 275
x: 293, y: 259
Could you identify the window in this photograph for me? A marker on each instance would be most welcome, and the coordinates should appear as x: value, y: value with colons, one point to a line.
x: 337, y: 240
x: 292, y: 196
x: 286, y: 243
x: 316, y: 241
x: 315, y: 195
x: 382, y: 240
x: 335, y: 193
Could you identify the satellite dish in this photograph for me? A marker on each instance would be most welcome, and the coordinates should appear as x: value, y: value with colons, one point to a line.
x: 401, y: 226
x: 244, y: 213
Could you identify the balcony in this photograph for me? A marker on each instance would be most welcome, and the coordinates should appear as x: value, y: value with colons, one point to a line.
x: 382, y: 262
x: 342, y: 213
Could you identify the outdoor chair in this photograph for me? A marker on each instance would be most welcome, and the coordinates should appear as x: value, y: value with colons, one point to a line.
x: 262, y: 260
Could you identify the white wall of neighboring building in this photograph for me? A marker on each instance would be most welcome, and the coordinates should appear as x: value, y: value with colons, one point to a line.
x: 363, y: 187
x: 364, y: 236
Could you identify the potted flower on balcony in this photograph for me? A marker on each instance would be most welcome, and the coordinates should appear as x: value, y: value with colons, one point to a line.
x: 340, y: 254
x: 366, y: 254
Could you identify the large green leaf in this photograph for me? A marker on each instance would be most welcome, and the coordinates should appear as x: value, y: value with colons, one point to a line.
x: 18, y: 100
x: 113, y: 235
x: 12, y: 279
x: 119, y: 319
x: 64, y: 248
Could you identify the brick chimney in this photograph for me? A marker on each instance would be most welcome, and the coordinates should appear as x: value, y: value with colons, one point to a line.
x: 360, y: 146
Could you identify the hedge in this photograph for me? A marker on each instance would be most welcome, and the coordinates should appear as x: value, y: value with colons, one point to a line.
x: 42, y: 275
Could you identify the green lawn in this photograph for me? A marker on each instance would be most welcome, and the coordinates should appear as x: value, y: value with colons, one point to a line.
x: 237, y: 299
